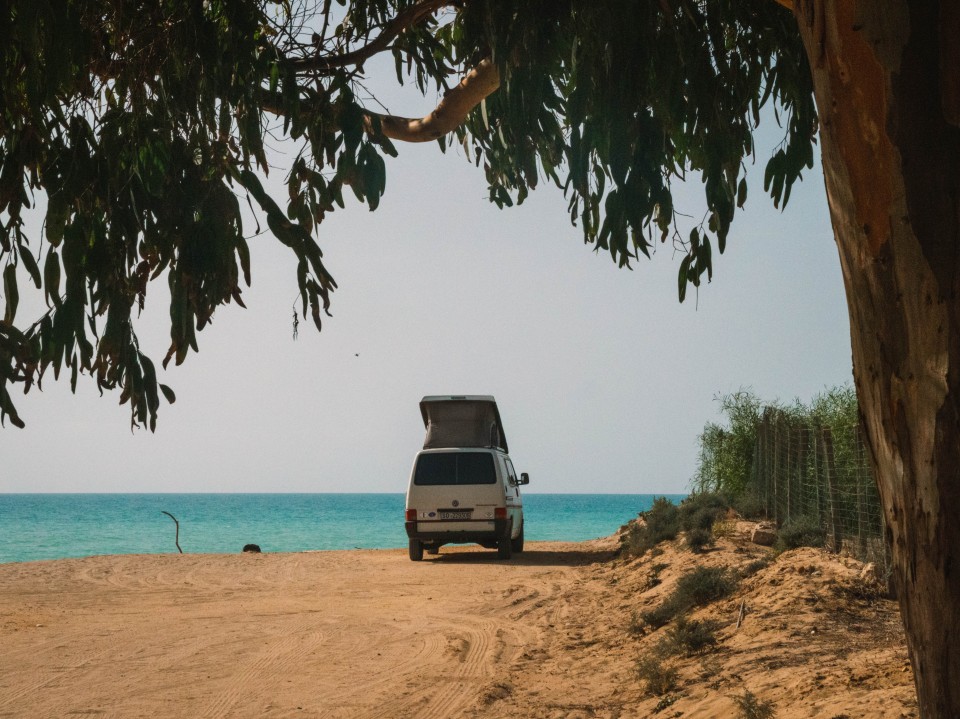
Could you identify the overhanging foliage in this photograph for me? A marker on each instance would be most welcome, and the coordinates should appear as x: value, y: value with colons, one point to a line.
x: 144, y: 126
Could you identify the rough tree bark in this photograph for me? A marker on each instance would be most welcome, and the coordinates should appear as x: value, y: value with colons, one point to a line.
x: 887, y: 82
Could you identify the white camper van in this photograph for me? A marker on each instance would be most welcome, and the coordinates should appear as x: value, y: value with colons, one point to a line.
x: 463, y: 487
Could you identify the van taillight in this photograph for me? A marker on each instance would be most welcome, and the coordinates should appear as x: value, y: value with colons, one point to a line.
x: 411, y: 515
x: 500, y: 513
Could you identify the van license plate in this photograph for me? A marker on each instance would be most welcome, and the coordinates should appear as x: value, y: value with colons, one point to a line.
x: 455, y: 515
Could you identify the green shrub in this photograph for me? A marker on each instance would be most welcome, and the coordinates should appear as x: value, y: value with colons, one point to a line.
x: 665, y: 702
x: 698, y: 513
x: 750, y: 506
x: 700, y: 586
x: 726, y: 452
x: 800, y: 532
x: 659, y: 616
x: 752, y: 708
x: 697, y: 539
x: 701, y: 510
x: 659, y: 677
x: 633, y: 542
x: 690, y: 636
x: 755, y: 566
x: 653, y: 576
x: 660, y: 522
x: 703, y: 585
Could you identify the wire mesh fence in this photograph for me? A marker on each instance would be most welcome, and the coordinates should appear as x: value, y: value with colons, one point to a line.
x: 803, y: 471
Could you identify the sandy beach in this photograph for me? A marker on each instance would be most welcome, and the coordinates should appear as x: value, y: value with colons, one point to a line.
x: 367, y: 633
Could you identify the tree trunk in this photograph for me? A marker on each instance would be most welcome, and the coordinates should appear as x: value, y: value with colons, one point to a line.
x: 887, y: 82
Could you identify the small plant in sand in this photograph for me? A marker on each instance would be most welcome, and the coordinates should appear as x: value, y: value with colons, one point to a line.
x: 697, y: 587
x: 665, y: 703
x: 860, y: 589
x: 698, y: 515
x: 701, y: 510
x: 653, y: 576
x: 724, y: 528
x: 659, y: 677
x: 688, y: 637
x: 659, y: 616
x: 750, y: 707
x: 660, y: 522
x: 698, y: 539
x: 750, y: 506
x: 711, y: 670
x: 703, y: 585
x: 755, y: 566
x: 800, y: 532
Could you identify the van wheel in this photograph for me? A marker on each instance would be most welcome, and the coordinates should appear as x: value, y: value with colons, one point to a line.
x: 505, y: 548
x: 416, y: 550
x: 517, y: 544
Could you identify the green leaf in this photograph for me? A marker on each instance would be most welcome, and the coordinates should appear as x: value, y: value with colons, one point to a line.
x: 51, y: 279
x: 274, y: 76
x: 742, y: 192
x: 243, y: 252
x: 7, y: 409
x: 682, y: 277
x: 168, y: 394
x: 31, y: 265
x: 705, y: 259
x: 58, y: 211
x: 11, y: 293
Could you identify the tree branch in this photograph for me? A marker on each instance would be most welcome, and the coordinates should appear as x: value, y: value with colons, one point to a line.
x: 452, y: 110
x: 480, y: 82
x: 408, y: 18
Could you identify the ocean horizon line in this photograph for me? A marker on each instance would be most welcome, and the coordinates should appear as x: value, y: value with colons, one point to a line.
x: 59, y: 525
x: 160, y: 493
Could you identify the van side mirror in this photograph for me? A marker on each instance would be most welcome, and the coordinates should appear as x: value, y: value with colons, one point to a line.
x: 524, y: 478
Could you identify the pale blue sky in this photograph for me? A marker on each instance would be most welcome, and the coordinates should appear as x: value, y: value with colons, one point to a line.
x: 603, y: 379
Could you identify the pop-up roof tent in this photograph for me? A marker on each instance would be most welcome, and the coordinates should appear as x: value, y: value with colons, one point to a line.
x: 462, y: 421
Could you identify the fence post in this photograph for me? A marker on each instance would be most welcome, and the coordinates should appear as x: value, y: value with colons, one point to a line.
x: 775, y: 474
x: 785, y: 472
x: 818, y: 482
x: 767, y: 470
x: 764, y: 464
x: 802, y: 473
x: 826, y: 438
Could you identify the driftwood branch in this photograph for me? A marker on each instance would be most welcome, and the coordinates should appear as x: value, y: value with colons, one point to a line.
x: 177, y: 538
x: 743, y: 611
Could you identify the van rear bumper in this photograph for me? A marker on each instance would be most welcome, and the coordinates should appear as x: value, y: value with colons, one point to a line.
x: 425, y: 533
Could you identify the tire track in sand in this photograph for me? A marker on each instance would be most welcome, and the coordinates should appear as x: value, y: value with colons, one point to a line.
x: 275, y: 659
x: 53, y: 674
x: 486, y: 647
x: 415, y: 647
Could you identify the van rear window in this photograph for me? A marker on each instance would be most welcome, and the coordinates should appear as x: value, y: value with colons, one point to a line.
x: 455, y: 468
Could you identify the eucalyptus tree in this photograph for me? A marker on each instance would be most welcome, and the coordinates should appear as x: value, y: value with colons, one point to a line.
x: 143, y: 124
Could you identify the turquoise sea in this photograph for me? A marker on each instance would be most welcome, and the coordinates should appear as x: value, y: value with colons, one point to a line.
x: 54, y: 526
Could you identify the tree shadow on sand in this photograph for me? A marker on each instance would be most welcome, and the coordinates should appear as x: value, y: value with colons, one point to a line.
x: 527, y: 558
